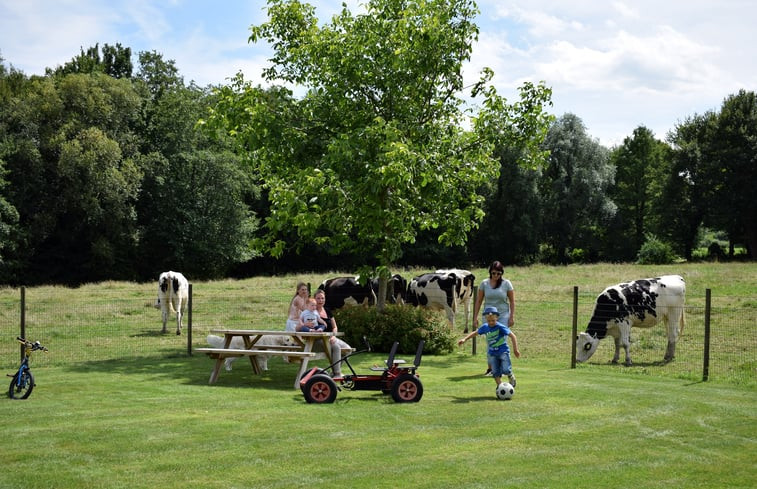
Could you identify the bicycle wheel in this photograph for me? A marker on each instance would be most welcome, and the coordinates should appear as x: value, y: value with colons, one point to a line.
x: 23, y: 388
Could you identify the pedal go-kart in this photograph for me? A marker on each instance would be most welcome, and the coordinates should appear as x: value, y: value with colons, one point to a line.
x: 397, y: 378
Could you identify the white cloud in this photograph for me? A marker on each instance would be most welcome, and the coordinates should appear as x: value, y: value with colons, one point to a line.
x: 616, y: 64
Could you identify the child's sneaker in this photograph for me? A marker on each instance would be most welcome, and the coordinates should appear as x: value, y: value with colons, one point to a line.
x: 511, y: 377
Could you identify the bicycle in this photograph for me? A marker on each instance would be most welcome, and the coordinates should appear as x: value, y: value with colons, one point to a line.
x: 23, y: 380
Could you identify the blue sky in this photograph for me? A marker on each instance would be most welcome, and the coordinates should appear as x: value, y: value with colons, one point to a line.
x: 615, y: 64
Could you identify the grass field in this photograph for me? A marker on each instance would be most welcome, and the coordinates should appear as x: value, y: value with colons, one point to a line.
x: 145, y: 417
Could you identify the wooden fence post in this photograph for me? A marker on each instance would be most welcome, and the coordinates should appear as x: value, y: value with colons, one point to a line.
x: 475, y: 294
x: 189, y: 322
x: 706, y: 362
x: 575, y: 328
x: 23, y: 318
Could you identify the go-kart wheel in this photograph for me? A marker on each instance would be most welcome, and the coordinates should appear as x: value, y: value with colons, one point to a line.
x: 320, y: 389
x: 407, y: 388
x: 319, y: 371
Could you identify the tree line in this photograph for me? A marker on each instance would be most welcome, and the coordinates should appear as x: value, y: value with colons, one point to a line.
x: 110, y: 170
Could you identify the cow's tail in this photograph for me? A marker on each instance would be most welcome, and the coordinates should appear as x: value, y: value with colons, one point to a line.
x: 682, y: 322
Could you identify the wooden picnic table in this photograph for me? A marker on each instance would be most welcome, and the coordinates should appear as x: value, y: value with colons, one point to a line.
x: 302, y: 349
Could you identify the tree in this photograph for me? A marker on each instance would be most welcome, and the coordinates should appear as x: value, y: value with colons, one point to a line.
x: 158, y: 74
x: 194, y: 206
x: 193, y: 215
x: 733, y: 170
x: 640, y: 167
x: 512, y: 226
x: 714, y: 158
x: 115, y: 62
x: 374, y: 152
x: 574, y: 187
x: 68, y: 150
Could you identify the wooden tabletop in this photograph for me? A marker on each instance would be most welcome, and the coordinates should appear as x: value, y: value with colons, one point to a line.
x: 250, y: 332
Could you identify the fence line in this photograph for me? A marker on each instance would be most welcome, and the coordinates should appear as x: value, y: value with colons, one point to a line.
x: 114, y: 325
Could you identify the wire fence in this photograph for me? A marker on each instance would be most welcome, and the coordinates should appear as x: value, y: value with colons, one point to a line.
x: 110, y: 326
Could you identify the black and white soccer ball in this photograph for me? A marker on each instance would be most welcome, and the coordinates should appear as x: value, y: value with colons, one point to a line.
x: 505, y: 391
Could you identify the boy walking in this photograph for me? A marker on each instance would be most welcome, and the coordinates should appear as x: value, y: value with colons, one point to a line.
x: 498, y: 353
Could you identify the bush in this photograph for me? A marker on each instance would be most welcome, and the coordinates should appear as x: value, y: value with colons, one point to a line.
x: 405, y: 324
x: 655, y: 252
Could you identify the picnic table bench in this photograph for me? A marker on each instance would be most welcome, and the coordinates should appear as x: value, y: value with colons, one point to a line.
x: 302, y: 349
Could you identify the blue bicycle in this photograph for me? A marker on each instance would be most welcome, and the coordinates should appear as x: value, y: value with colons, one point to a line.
x: 23, y: 380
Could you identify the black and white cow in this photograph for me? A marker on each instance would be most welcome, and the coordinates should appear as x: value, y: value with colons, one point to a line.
x: 173, y: 294
x: 641, y: 304
x: 435, y: 291
x: 396, y: 289
x: 463, y: 289
x: 341, y: 291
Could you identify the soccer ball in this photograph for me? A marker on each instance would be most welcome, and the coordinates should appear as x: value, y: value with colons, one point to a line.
x: 505, y: 391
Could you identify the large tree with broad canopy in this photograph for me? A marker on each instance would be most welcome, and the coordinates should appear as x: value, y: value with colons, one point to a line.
x: 377, y: 149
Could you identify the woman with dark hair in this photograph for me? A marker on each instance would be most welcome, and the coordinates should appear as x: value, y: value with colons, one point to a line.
x: 496, y: 291
x: 337, y: 345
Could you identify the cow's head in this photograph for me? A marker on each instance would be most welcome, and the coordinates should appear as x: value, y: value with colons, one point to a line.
x: 586, y: 345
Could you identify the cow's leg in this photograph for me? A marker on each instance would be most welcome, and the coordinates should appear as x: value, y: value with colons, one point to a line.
x: 450, y: 317
x: 625, y: 341
x: 672, y: 325
x: 466, y: 308
x: 616, y: 357
x: 178, y: 320
x: 164, y: 313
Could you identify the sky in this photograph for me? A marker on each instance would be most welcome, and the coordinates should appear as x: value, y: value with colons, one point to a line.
x: 617, y: 65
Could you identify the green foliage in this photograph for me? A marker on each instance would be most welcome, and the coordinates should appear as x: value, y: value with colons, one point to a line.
x: 194, y: 213
x: 715, y: 163
x: 408, y: 325
x: 115, y: 62
x: 655, y: 252
x: 359, y: 163
x: 574, y: 187
x: 642, y: 163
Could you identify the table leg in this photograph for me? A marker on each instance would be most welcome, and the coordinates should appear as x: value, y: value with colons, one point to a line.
x: 219, y: 361
x: 216, y: 370
x: 249, y: 344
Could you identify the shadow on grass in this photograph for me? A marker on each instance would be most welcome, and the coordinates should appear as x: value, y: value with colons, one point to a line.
x: 659, y: 363
x: 168, y: 364
x: 153, y: 333
x: 466, y: 400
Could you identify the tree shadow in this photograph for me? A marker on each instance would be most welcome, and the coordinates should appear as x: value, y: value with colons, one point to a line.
x: 466, y: 400
x: 191, y: 370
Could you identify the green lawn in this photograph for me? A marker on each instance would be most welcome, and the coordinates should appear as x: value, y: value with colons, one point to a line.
x: 154, y: 422
x: 150, y: 420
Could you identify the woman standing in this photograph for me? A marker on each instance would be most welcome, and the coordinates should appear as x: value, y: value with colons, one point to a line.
x: 496, y: 291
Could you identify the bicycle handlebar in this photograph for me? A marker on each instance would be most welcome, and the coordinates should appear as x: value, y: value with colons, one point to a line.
x: 34, y: 346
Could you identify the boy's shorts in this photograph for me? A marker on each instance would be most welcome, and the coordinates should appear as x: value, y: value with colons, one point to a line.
x: 500, y: 363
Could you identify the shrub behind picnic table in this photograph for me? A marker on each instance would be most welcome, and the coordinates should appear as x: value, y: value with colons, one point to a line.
x: 405, y: 324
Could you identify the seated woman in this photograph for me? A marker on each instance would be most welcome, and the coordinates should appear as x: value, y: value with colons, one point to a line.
x: 337, y: 345
x: 297, y: 306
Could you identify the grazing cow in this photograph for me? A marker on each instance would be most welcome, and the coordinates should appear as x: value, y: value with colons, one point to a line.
x: 641, y: 303
x: 463, y: 288
x: 173, y: 294
x: 237, y: 343
x: 435, y: 291
x: 343, y: 291
x: 396, y: 289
